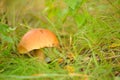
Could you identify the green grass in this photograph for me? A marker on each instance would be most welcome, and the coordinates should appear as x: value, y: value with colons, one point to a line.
x: 87, y: 29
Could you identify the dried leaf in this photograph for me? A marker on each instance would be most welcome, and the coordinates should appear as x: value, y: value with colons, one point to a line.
x: 70, y: 69
x: 115, y: 45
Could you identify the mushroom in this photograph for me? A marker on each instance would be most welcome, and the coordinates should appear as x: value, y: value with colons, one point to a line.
x: 36, y: 39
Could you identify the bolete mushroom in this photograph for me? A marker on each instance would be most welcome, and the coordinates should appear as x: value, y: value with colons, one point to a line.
x: 36, y: 39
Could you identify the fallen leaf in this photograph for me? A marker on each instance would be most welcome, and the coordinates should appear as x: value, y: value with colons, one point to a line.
x: 70, y: 69
x: 60, y: 60
x: 114, y: 45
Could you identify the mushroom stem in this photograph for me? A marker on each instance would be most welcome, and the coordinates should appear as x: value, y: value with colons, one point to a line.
x: 38, y: 53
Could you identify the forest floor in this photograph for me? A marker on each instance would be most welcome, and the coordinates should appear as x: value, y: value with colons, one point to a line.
x: 88, y: 32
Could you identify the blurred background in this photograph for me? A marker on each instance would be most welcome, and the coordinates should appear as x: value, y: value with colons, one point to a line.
x: 87, y: 29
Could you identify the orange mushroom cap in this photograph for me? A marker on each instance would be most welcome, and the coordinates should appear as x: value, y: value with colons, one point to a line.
x: 36, y: 39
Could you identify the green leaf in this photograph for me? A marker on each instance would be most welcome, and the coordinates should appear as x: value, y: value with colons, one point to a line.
x: 4, y: 32
x: 3, y: 28
x: 6, y: 38
x: 80, y: 19
x: 73, y: 4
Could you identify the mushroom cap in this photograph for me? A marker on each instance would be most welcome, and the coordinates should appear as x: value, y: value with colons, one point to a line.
x: 36, y: 39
